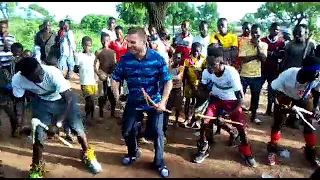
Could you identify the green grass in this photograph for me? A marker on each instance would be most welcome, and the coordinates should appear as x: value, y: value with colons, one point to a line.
x: 24, y: 30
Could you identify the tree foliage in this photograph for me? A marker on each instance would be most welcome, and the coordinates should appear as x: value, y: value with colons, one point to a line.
x: 289, y: 13
x: 209, y: 13
x: 132, y: 12
x: 93, y: 22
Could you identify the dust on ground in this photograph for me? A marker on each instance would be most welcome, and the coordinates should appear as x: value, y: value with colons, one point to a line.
x: 224, y: 161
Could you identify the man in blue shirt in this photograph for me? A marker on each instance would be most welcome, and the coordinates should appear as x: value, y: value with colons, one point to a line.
x: 143, y: 68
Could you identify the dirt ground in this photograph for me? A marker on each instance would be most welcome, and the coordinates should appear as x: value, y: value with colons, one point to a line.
x: 62, y: 161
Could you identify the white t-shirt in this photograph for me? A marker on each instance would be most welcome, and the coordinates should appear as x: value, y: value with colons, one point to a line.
x: 287, y: 83
x: 37, y: 53
x: 49, y: 89
x: 161, y: 48
x: 86, y: 65
x: 204, y: 42
x: 225, y: 86
x: 68, y: 44
x: 112, y: 34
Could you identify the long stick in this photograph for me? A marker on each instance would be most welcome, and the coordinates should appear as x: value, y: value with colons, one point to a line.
x: 148, y: 99
x: 302, y: 117
x: 225, y: 120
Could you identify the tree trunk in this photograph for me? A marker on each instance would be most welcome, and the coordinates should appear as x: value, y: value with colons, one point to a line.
x: 157, y: 13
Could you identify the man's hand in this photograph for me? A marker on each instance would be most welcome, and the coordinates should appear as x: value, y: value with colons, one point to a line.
x: 161, y: 106
x: 316, y: 113
x: 102, y: 75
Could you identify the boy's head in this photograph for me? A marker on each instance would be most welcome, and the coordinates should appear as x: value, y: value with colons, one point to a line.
x: 119, y: 32
x: 215, y: 60
x: 3, y: 26
x: 105, y: 39
x: 86, y: 43
x: 27, y: 53
x: 310, y: 70
x: 17, y: 49
x: 52, y: 59
x: 300, y: 33
x: 176, y: 59
x: 317, y: 51
x: 30, y: 68
x: 196, y: 49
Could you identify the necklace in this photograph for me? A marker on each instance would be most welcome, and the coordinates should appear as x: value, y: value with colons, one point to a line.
x: 271, y: 41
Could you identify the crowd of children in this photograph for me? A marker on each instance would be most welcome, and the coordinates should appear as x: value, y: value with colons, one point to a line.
x: 211, y: 71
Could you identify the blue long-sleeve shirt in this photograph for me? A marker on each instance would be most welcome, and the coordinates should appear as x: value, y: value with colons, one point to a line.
x: 146, y: 73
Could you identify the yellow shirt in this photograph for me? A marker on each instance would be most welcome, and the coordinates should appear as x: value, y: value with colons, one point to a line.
x: 194, y: 65
x: 252, y: 68
x: 227, y: 41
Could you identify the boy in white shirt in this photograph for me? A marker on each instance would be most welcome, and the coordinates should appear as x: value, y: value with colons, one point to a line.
x: 226, y: 93
x: 85, y: 67
x: 54, y: 103
x: 293, y: 87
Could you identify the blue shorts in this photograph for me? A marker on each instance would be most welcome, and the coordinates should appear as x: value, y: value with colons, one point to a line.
x: 47, y: 111
x: 66, y: 63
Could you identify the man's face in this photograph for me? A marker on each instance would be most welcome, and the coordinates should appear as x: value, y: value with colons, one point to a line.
x: 184, y: 27
x: 119, y: 34
x: 299, y: 34
x: 136, y: 44
x: 203, y: 28
x: 255, y: 33
x: 246, y: 29
x: 46, y: 26
x: 112, y: 24
x: 105, y: 41
x: 3, y: 28
x: 274, y: 31
x: 222, y: 27
x: 87, y: 46
x: 37, y: 75
x: 16, y: 52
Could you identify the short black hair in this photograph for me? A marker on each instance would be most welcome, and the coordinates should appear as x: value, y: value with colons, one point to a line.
x: 111, y: 18
x: 215, y: 55
x: 214, y: 51
x: 61, y: 21
x: 255, y: 26
x: 103, y: 35
x: 203, y: 23
x: 17, y: 46
x: 274, y: 25
x: 317, y: 51
x: 221, y: 20
x: 27, y: 66
x: 245, y: 24
x: 196, y: 45
x: 310, y: 61
x: 67, y: 21
x: 4, y: 21
x: 119, y: 28
x: 86, y: 39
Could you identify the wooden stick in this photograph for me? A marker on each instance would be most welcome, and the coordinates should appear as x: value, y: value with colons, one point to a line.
x: 148, y: 99
x: 225, y: 120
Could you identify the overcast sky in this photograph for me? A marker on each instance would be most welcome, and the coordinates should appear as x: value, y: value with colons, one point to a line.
x: 233, y: 11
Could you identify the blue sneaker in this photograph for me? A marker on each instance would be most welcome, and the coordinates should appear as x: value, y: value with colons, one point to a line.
x: 127, y: 160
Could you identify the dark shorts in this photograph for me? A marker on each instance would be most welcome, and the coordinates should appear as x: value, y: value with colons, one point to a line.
x: 47, y: 111
x: 175, y: 99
